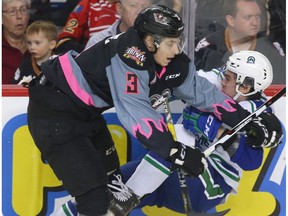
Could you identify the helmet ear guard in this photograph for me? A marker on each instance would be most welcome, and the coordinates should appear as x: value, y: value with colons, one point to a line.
x: 252, y: 69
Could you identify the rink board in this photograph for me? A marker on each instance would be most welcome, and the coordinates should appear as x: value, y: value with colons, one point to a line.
x: 30, y: 188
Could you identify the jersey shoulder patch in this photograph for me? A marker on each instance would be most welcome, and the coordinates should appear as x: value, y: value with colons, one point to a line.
x: 135, y: 54
x: 133, y: 51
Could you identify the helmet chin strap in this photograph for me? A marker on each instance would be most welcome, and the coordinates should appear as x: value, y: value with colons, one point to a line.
x: 238, y: 92
x: 236, y: 96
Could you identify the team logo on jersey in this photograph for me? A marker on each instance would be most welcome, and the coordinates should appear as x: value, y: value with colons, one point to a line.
x: 160, y: 18
x: 251, y: 60
x: 135, y: 54
x: 157, y: 99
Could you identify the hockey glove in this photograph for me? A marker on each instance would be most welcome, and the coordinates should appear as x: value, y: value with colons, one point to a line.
x: 199, y: 122
x: 264, y: 131
x: 189, y: 160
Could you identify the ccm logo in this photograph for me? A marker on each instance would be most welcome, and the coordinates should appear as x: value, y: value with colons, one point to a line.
x: 183, y: 152
x: 172, y: 76
x: 208, y: 125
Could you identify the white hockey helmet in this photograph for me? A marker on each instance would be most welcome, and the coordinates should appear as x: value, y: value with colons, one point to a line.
x: 252, y: 69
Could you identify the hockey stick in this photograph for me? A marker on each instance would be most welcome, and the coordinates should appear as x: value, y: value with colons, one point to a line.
x: 181, y: 176
x: 183, y: 185
x: 227, y: 134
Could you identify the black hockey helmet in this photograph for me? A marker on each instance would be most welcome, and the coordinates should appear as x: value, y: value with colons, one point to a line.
x: 160, y: 20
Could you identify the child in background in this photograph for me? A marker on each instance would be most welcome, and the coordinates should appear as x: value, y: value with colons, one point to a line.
x: 41, y: 40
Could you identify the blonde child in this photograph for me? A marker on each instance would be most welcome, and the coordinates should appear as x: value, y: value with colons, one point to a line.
x: 41, y: 40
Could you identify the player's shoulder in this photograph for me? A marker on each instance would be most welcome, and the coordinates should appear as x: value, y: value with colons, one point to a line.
x: 248, y: 105
x: 133, y: 51
x: 180, y: 63
x: 215, y: 76
x: 252, y: 105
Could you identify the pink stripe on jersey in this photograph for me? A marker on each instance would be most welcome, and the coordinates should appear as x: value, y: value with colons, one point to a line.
x: 161, y: 73
x: 72, y: 80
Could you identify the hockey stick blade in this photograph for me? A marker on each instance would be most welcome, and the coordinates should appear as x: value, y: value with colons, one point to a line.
x: 229, y: 133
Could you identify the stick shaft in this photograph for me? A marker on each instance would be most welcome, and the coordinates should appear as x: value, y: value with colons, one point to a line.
x: 184, y: 189
x: 229, y: 133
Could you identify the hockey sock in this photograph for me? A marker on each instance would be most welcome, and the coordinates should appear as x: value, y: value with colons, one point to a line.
x: 67, y: 209
x: 149, y: 174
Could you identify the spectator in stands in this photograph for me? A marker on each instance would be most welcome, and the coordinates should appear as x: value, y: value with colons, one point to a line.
x: 88, y: 17
x: 128, y: 11
x: 212, y: 10
x: 15, y: 16
x: 277, y: 27
x: 41, y: 39
x: 176, y: 5
x: 243, y: 25
x: 55, y: 11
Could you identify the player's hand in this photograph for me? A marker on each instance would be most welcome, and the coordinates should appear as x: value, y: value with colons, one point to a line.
x: 190, y: 160
x: 197, y: 122
x: 264, y: 131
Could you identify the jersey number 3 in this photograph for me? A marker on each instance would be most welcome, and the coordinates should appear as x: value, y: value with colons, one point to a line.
x: 131, y: 83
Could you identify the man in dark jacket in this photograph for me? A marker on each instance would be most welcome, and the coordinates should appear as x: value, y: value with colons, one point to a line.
x: 243, y: 25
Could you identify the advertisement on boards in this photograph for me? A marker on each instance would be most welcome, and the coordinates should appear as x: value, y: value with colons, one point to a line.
x: 30, y: 188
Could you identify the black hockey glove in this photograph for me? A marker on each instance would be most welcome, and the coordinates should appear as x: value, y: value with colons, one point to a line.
x: 264, y: 131
x: 189, y: 160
